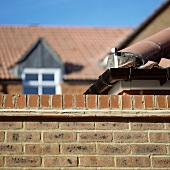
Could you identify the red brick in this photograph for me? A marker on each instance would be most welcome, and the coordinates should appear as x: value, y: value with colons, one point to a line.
x: 9, y: 101
x: 76, y: 125
x: 126, y: 102
x: 33, y: 101
x: 45, y: 101
x: 23, y: 136
x: 104, y: 102
x: 97, y: 161
x: 91, y: 101
x: 161, y: 102
x: 41, y: 125
x: 113, y: 149
x: 95, y: 136
x: 149, y: 101
x: 114, y: 102
x: 132, y: 161
x: 125, y: 137
x: 10, y: 148
x: 68, y: 102
x: 23, y: 161
x: 146, y: 126
x: 10, y: 125
x: 159, y: 137
x: 168, y: 101
x: 149, y: 149
x: 21, y: 101
x: 112, y: 125
x: 1, y: 161
x: 78, y: 148
x: 57, y: 101
x: 2, y: 136
x: 60, y: 161
x: 45, y: 149
x: 1, y: 100
x: 161, y: 162
x: 138, y: 102
x: 59, y: 136
x: 80, y: 101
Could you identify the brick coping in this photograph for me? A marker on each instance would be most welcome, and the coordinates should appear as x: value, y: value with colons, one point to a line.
x: 85, y: 113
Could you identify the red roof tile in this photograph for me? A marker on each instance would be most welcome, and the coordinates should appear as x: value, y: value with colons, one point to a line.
x: 152, y: 48
x: 78, y: 45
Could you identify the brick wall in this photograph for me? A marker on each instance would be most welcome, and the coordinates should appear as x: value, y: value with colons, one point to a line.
x: 65, y: 132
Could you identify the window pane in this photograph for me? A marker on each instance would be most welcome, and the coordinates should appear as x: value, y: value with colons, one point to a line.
x: 31, y: 77
x: 48, y: 90
x: 48, y: 77
x: 30, y: 90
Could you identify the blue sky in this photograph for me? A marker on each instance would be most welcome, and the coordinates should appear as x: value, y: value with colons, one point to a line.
x: 102, y: 13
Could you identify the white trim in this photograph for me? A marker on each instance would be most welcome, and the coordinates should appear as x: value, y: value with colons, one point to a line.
x: 138, y: 85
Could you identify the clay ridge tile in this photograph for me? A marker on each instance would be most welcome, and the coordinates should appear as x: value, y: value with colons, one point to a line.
x: 152, y: 48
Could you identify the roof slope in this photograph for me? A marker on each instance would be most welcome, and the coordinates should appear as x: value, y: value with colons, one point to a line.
x: 75, y: 45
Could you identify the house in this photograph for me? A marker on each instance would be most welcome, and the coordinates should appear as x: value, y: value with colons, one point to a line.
x: 67, y: 60
x: 53, y: 60
x: 142, y: 68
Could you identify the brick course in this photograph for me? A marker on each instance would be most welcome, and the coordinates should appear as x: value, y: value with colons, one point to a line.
x: 51, y: 133
x: 10, y: 125
x: 97, y: 161
x: 10, y: 148
x: 45, y: 149
x: 23, y: 161
x: 78, y: 148
x: 137, y: 137
x: 133, y: 161
x: 41, y: 125
x: 54, y: 161
x: 24, y: 136
x: 59, y: 137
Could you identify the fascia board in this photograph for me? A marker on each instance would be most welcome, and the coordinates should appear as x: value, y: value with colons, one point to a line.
x: 138, y: 85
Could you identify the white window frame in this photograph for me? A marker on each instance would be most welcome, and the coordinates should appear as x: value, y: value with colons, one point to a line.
x: 40, y: 83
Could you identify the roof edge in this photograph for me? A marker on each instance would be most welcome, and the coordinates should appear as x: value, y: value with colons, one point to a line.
x: 113, y: 75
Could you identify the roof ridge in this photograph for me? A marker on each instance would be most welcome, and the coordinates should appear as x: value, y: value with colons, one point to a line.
x: 67, y: 27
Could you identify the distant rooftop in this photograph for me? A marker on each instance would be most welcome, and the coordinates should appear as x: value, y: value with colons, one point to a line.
x: 82, y: 46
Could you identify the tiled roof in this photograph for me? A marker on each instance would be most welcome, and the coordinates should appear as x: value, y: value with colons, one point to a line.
x: 82, y: 46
